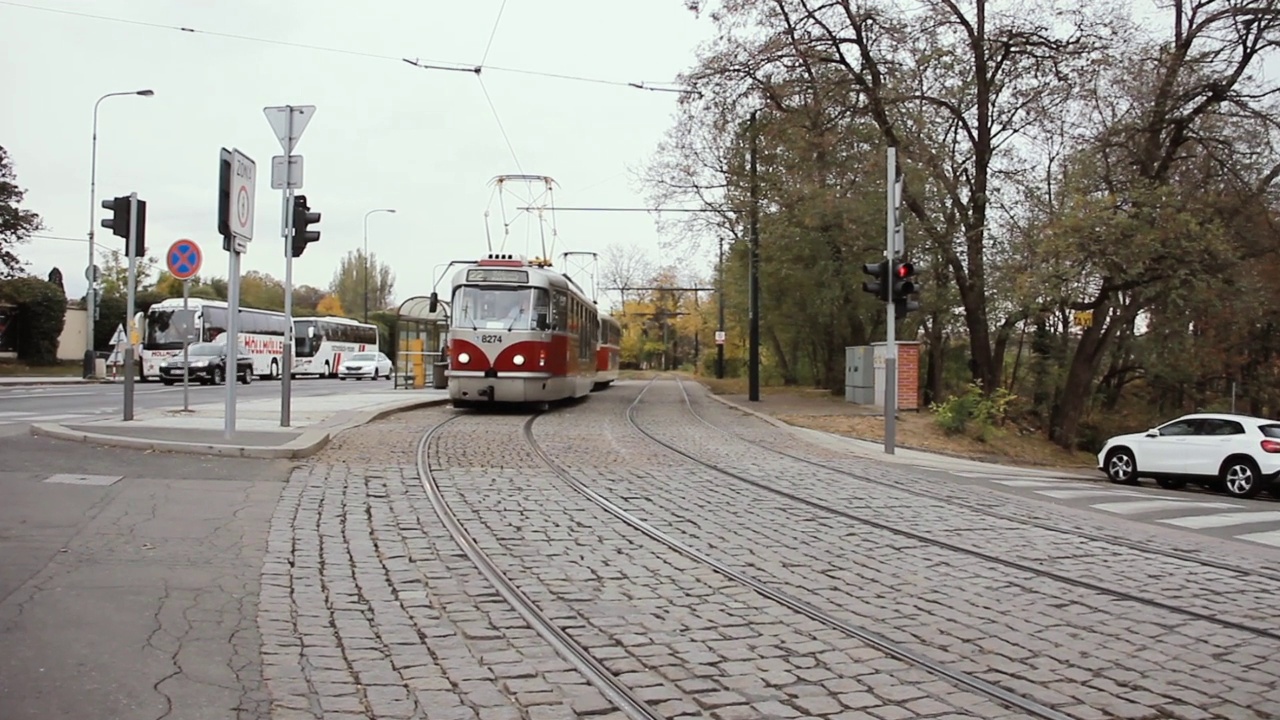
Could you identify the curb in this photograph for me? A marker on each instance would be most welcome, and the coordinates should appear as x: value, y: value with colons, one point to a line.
x: 796, y: 429
x: 305, y: 445
x: 56, y: 383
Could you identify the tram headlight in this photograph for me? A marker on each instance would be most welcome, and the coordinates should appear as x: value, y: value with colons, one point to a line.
x: 518, y: 360
x: 464, y: 358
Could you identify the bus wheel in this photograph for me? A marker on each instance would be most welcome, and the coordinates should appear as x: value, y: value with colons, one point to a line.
x: 275, y: 370
x: 327, y: 372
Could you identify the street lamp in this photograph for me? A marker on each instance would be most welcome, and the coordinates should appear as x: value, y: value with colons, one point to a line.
x: 90, y: 364
x: 366, y: 258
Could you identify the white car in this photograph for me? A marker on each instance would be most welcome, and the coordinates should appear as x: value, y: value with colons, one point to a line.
x: 365, y: 365
x: 1235, y: 453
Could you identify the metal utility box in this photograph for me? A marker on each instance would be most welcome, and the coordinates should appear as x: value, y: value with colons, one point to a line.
x: 859, y: 375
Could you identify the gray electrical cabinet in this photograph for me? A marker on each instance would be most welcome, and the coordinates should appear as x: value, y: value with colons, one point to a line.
x: 860, y: 375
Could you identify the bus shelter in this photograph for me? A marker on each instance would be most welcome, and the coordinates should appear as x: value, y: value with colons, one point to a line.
x: 421, y: 338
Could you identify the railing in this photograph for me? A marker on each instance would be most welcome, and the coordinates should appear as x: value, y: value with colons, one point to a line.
x: 414, y: 370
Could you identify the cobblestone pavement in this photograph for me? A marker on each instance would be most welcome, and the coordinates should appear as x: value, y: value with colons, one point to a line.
x: 689, y: 641
x: 760, y: 433
x: 369, y: 609
x: 1085, y: 652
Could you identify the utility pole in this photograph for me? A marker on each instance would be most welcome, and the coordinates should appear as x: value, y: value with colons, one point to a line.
x: 753, y: 311
x: 720, y: 301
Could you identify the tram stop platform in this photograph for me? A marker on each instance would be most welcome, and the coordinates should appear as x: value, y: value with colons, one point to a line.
x: 313, y: 421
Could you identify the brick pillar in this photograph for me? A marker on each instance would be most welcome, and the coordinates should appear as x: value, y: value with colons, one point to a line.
x: 909, y: 376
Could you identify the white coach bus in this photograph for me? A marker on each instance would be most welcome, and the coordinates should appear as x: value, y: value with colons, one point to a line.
x: 262, y: 333
x: 320, y: 343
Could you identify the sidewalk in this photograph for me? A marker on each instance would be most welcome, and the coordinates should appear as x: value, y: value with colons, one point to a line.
x: 313, y: 421
x: 908, y: 456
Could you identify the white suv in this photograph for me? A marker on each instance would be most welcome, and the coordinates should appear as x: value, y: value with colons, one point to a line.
x: 1235, y: 453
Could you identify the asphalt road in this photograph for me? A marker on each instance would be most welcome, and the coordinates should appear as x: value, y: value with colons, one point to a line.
x: 21, y: 406
x: 130, y: 580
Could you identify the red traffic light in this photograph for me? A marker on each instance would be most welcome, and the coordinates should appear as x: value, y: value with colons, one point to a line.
x: 905, y: 270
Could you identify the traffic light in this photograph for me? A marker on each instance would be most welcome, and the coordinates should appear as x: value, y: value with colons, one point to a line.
x: 224, y: 198
x: 302, y: 217
x: 880, y: 286
x: 904, y: 284
x: 118, y: 223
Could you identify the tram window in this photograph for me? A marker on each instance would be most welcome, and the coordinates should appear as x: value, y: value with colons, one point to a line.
x: 560, y: 312
x: 541, y: 308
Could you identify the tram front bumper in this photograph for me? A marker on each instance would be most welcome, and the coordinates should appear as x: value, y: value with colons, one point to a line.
x: 507, y: 387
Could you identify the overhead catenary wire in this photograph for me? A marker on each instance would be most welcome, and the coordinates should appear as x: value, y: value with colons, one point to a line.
x: 654, y: 86
x: 493, y: 33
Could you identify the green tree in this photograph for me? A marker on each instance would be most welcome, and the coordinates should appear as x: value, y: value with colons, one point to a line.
x: 260, y: 290
x: 42, y: 311
x: 16, y: 225
x: 349, y: 283
x: 115, y: 273
x: 306, y: 298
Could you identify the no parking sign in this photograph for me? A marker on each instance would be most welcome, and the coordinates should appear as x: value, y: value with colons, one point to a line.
x: 184, y: 259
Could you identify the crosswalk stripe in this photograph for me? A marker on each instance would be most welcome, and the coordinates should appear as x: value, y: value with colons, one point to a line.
x: 1199, y: 522
x: 1105, y: 492
x: 1137, y: 506
x: 1042, y: 483
x: 1271, y: 537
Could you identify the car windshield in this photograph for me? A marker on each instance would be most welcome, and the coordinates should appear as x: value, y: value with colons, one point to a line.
x: 1271, y: 431
x: 363, y: 357
x: 206, y: 349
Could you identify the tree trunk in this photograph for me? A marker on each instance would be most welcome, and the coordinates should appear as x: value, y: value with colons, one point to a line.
x: 1065, y: 423
x: 784, y: 365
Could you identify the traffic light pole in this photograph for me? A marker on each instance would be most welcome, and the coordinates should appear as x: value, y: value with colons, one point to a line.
x: 753, y: 283
x: 891, y: 340
x: 128, y: 317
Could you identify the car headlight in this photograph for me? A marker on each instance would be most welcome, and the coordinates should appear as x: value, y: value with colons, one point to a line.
x: 199, y: 363
x: 464, y: 358
x: 518, y: 360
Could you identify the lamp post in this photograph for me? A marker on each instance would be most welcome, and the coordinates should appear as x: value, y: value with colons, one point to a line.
x: 366, y: 258
x: 90, y: 364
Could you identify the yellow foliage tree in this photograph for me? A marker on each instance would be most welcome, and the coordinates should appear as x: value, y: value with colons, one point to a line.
x: 330, y: 306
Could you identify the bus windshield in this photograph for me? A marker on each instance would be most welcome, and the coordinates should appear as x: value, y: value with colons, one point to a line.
x: 167, y: 328
x: 498, y: 307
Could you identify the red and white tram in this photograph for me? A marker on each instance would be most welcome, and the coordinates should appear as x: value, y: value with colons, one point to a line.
x: 609, y: 353
x: 520, y: 332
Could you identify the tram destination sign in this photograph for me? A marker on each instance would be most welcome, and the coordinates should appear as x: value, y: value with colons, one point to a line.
x: 497, y: 275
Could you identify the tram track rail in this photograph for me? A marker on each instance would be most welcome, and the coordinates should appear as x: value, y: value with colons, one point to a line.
x: 926, y: 539
x: 1039, y: 524
x: 574, y: 653
x: 893, y: 649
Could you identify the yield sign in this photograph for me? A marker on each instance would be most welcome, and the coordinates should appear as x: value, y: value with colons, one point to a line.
x: 279, y: 119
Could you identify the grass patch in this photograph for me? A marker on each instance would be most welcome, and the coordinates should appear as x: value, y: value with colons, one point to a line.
x: 65, y: 368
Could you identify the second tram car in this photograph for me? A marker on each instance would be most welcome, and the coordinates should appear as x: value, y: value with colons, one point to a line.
x: 609, y: 353
x: 519, y: 332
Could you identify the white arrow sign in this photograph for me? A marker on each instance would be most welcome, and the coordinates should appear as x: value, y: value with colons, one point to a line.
x: 279, y: 119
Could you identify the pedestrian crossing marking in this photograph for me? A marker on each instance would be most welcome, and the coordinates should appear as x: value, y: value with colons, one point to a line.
x: 1042, y: 483
x: 1104, y: 492
x: 1271, y: 537
x: 1131, y: 507
x: 1200, y: 522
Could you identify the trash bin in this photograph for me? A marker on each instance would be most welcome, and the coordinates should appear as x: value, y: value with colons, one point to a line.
x: 439, y: 380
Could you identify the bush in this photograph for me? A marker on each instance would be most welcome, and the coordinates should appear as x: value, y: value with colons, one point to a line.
x: 41, y: 314
x: 974, y: 412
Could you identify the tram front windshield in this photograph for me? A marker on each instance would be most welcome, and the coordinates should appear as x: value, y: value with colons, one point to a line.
x: 500, y: 308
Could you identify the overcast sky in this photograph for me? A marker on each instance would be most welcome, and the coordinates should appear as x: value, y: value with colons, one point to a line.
x: 385, y: 134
